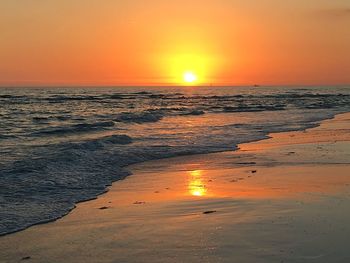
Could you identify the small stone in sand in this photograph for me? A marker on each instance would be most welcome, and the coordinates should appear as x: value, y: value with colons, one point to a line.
x: 103, y: 207
x: 209, y: 212
x: 254, y: 171
x: 156, y: 192
x: 139, y: 203
x: 25, y: 258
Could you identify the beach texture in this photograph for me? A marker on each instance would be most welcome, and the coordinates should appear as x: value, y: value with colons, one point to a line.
x: 283, y: 199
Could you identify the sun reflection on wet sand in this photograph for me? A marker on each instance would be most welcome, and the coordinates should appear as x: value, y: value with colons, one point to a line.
x: 196, y: 186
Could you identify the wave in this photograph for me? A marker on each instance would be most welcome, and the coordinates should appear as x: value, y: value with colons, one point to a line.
x: 8, y: 96
x: 101, y: 142
x: 117, y: 139
x: 76, y: 128
x: 254, y: 108
x: 194, y: 112
x: 140, y: 117
x: 58, y: 99
x: 6, y: 136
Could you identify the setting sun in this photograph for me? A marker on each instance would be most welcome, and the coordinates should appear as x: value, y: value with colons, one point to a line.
x: 183, y: 67
x: 189, y: 77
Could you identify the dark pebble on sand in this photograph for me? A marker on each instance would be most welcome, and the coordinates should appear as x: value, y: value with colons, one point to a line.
x: 254, y: 171
x: 103, y: 207
x: 25, y: 258
x: 209, y: 212
x: 139, y: 203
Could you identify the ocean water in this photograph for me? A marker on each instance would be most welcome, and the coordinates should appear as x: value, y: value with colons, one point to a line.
x: 59, y: 146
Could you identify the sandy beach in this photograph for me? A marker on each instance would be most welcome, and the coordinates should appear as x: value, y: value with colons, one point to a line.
x: 283, y: 199
x: 185, y: 131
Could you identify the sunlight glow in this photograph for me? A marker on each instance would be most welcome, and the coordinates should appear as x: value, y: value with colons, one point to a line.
x: 190, y: 77
x: 187, y: 68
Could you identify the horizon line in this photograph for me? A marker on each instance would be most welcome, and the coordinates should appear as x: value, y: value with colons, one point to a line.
x: 164, y: 85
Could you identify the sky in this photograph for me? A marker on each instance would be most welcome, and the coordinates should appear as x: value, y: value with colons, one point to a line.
x: 158, y: 42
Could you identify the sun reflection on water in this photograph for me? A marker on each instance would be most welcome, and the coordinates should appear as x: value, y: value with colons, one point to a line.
x: 196, y: 185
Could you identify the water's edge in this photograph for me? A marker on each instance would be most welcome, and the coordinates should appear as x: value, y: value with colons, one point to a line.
x: 126, y: 172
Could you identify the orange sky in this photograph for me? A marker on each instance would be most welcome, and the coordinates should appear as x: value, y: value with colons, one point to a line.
x: 150, y: 42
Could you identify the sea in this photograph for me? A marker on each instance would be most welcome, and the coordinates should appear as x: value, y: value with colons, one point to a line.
x: 60, y: 146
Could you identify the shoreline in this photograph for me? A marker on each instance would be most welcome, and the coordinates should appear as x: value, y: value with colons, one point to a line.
x: 126, y: 171
x: 202, y: 199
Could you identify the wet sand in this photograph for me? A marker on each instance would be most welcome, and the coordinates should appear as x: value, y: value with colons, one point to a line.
x: 284, y: 199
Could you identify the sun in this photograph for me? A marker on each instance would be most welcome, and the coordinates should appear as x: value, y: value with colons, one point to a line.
x: 189, y: 77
